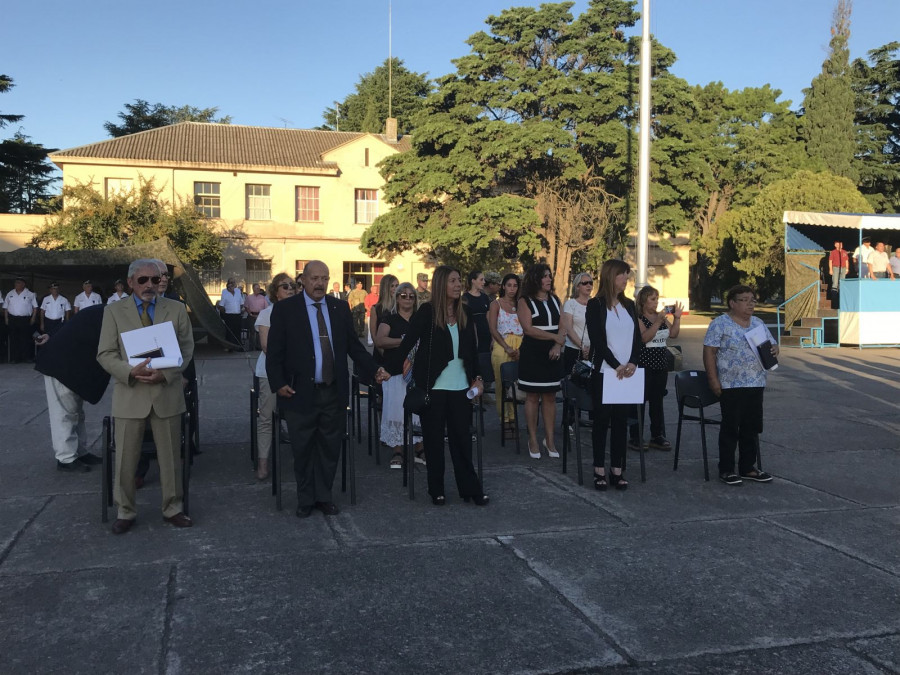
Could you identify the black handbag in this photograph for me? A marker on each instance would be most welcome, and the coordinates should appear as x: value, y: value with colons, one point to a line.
x: 582, y: 374
x: 417, y: 399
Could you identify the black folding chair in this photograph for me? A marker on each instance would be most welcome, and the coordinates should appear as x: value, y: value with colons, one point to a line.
x: 348, y: 457
x: 692, y: 391
x: 371, y: 392
x: 509, y: 375
x: 106, y: 466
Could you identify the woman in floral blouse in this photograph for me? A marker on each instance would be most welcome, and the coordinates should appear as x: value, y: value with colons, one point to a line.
x: 737, y: 377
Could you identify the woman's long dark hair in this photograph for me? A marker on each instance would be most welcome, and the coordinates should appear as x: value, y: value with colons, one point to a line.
x: 533, y: 280
x: 440, y: 302
x: 608, y: 273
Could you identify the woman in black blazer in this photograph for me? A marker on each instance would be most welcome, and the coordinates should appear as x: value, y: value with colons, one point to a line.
x: 446, y: 367
x: 611, y: 321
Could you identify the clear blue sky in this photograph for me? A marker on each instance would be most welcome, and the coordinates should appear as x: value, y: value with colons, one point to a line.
x: 281, y: 63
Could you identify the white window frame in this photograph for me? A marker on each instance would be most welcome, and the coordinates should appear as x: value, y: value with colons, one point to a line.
x: 259, y: 201
x: 311, y: 197
x: 365, y: 205
x: 207, y: 201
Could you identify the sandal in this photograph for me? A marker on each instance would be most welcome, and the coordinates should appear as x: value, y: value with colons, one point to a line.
x: 660, y: 443
x: 397, y: 461
x: 618, y: 481
x: 600, y: 481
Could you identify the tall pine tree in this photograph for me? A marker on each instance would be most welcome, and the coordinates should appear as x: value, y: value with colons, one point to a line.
x: 829, y: 103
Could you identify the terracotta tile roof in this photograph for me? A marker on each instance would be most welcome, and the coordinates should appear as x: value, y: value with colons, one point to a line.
x: 229, y: 144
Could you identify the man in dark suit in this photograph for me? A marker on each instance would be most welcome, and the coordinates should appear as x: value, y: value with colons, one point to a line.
x: 310, y: 337
x: 72, y: 376
x: 144, y: 395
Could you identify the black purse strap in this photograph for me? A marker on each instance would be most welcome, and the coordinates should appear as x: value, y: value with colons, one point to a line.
x: 428, y: 367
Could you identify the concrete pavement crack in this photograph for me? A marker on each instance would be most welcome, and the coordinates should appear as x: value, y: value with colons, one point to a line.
x: 167, y: 619
x: 4, y: 554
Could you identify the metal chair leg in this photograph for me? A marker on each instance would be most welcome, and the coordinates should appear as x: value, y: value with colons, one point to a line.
x: 678, y: 436
x: 703, y: 444
x: 106, y: 471
x: 185, y: 465
x: 276, y: 465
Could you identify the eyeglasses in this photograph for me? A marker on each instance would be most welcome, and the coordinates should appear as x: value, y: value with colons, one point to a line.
x: 406, y: 296
x: 286, y: 286
x: 153, y: 280
x: 585, y: 283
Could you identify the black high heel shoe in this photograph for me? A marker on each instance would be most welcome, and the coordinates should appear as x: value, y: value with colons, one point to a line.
x: 480, y: 500
x: 600, y: 482
x: 439, y: 500
x: 618, y: 481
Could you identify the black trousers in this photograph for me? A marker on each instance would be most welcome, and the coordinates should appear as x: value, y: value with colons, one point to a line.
x: 654, y: 390
x: 449, y: 410
x: 615, y: 418
x: 52, y: 325
x: 742, y: 422
x: 233, y: 323
x: 316, y: 434
x: 21, y: 346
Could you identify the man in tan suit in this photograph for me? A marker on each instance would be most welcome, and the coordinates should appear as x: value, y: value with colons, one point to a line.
x: 143, y: 395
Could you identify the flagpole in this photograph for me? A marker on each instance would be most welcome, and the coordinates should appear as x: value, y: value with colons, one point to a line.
x: 644, y: 152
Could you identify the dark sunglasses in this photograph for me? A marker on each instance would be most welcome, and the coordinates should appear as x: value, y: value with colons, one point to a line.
x: 585, y: 283
x: 286, y: 286
x: 153, y: 280
x: 406, y: 296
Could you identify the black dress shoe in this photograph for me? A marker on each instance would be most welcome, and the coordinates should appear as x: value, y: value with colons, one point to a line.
x: 179, y: 520
x: 122, y: 525
x: 72, y: 467
x: 480, y: 500
x: 328, y: 508
x: 304, y: 511
x: 89, y: 459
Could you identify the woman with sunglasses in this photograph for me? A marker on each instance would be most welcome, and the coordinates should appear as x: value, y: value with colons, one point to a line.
x: 540, y: 358
x: 503, y: 319
x: 282, y: 287
x: 578, y: 342
x: 612, y: 324
x: 393, y: 327
x: 446, y: 367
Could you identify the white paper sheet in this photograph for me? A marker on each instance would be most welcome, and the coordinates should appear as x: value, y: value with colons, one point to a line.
x: 158, y: 337
x: 626, y: 390
x: 756, y: 337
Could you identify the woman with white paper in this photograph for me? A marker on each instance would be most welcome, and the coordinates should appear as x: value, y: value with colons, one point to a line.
x: 737, y: 376
x: 612, y: 325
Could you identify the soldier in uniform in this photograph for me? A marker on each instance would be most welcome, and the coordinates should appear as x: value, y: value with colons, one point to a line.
x: 87, y: 297
x: 20, y: 310
x: 55, y: 309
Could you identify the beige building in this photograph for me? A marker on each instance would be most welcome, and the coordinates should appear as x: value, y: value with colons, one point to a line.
x: 279, y: 197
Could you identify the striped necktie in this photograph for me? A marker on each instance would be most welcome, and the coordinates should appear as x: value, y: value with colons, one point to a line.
x: 327, y: 354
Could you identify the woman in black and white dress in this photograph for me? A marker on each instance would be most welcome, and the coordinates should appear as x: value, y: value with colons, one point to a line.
x: 540, y: 362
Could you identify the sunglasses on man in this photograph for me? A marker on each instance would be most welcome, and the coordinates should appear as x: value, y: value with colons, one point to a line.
x: 154, y: 280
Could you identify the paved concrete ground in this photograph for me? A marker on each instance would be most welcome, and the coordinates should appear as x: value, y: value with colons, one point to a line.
x: 675, y: 575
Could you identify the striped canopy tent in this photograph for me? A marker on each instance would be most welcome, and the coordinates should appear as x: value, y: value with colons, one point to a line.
x: 808, y: 236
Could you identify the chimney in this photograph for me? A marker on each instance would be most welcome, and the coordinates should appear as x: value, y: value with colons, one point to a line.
x: 390, y: 129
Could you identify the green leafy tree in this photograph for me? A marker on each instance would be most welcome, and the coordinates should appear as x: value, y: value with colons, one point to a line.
x: 6, y: 83
x: 876, y: 83
x: 27, y: 177
x: 142, y: 116
x: 521, y: 153
x: 91, y: 221
x: 367, y: 108
x: 829, y: 103
x: 756, y: 231
x: 743, y: 141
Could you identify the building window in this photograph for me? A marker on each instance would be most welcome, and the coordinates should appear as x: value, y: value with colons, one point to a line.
x: 368, y: 273
x: 207, y: 199
x: 299, y: 266
x: 259, y: 271
x: 366, y: 161
x: 118, y: 186
x: 308, y: 204
x: 366, y: 205
x: 259, y: 202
